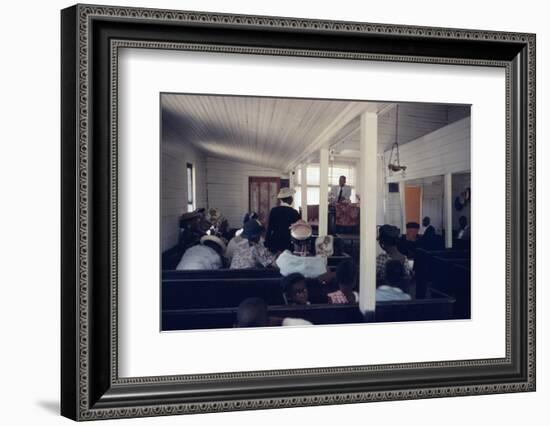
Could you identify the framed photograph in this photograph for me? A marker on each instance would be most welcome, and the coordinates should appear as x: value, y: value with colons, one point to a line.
x: 263, y: 212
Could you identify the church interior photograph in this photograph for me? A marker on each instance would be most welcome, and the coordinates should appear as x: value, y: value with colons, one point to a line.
x: 299, y: 212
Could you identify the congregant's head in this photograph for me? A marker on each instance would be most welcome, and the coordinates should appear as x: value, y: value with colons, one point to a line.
x: 252, y: 230
x: 286, y: 195
x: 252, y: 312
x: 345, y: 274
x: 295, y: 288
x: 342, y: 180
x: 426, y: 221
x: 388, y: 236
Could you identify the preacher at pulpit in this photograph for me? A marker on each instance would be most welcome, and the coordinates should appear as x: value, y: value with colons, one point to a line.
x: 340, y: 193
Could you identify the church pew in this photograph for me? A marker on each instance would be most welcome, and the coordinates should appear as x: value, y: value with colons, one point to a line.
x: 192, y: 319
x: 423, y: 266
x: 219, y: 292
x: 452, y: 276
x: 227, y: 273
x: 439, y: 307
x: 221, y: 273
x: 334, y: 261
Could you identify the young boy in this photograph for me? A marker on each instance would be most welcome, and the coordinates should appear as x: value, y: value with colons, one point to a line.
x: 295, y: 289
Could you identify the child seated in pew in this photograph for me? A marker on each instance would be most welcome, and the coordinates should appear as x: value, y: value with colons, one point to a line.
x: 346, y: 279
x: 295, y: 289
x: 252, y: 312
x: 394, y: 285
x: 317, y: 290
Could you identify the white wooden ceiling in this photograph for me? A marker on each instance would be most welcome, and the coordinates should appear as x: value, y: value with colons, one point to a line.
x: 276, y: 132
x: 266, y: 131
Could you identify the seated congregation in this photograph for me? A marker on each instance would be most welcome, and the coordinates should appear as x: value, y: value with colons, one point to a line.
x: 283, y: 274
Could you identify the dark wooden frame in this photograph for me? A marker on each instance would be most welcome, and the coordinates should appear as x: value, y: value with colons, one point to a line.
x: 90, y: 386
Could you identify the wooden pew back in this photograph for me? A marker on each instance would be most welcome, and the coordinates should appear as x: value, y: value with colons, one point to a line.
x: 221, y: 274
x: 438, y: 308
x: 219, y: 292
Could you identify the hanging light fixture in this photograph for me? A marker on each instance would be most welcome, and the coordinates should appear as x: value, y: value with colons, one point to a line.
x: 394, y: 165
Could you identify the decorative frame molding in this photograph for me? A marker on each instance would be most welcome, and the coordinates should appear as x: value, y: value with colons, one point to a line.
x: 91, y: 37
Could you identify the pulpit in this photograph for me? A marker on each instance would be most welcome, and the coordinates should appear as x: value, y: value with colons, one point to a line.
x: 347, y: 218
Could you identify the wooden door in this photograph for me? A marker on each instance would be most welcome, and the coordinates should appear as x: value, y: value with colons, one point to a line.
x: 262, y: 195
x: 413, y: 201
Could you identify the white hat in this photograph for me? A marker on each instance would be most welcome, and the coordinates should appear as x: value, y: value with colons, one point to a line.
x: 300, y: 230
x: 285, y: 193
x: 215, y: 239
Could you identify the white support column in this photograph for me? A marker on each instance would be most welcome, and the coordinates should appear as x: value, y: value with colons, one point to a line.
x: 304, y: 191
x: 448, y: 209
x: 323, y: 192
x: 367, y: 258
x: 292, y: 184
x: 403, y: 207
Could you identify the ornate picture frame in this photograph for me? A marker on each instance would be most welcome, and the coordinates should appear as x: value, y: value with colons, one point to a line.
x: 91, y: 386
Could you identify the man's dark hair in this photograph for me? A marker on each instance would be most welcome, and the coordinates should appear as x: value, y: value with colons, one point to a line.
x: 291, y: 279
x: 345, y: 273
x: 394, y: 273
x: 287, y: 200
x: 426, y: 221
x: 252, y: 312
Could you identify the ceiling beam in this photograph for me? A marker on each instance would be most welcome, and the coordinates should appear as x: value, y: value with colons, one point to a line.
x: 352, y: 110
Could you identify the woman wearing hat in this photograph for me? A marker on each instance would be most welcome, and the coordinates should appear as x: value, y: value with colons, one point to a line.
x: 308, y: 266
x: 207, y: 255
x: 249, y: 253
x: 280, y: 218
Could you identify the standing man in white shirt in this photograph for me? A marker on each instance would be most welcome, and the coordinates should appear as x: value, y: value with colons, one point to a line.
x: 340, y: 193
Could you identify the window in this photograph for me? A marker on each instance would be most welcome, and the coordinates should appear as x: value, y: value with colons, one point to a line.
x: 191, y: 205
x: 313, y: 180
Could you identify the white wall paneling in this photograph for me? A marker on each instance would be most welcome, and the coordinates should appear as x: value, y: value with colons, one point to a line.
x: 176, y: 153
x: 227, y: 185
x: 446, y: 150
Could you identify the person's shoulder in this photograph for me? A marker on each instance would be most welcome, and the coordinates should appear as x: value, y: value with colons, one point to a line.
x: 194, y: 249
